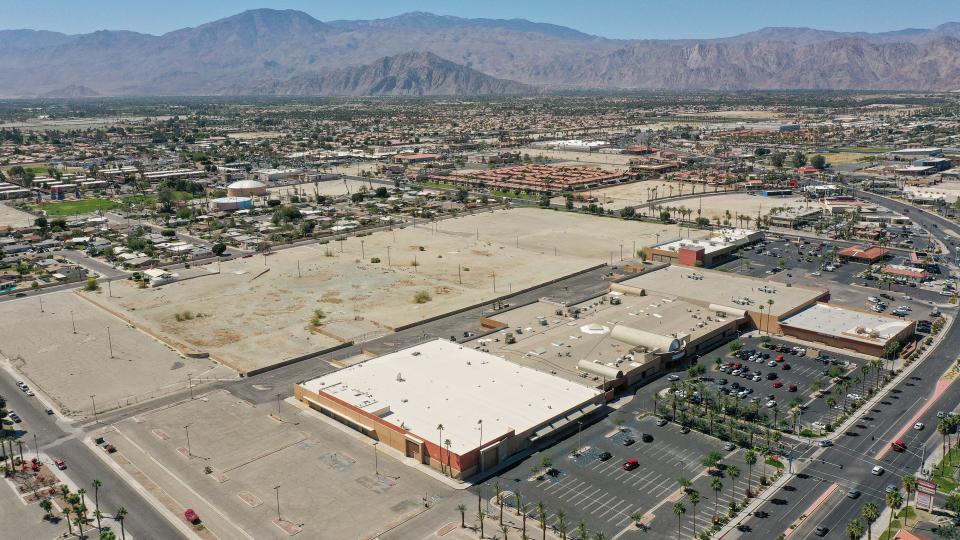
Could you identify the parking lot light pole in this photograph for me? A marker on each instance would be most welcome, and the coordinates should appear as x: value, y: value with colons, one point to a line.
x: 376, y: 459
x: 73, y: 321
x: 94, y: 401
x: 186, y: 429
x: 276, y: 488
x: 579, y: 436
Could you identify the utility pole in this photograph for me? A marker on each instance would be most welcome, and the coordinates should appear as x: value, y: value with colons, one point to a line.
x: 376, y: 460
x: 94, y: 401
x: 278, y: 407
x: 110, y: 342
x: 362, y: 253
x: 186, y: 429
x: 299, y: 275
x: 110, y: 287
x: 388, y: 256
x: 41, y: 303
x: 73, y: 322
x: 190, y: 384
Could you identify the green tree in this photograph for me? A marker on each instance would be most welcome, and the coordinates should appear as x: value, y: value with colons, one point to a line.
x: 799, y: 159
x: 717, y: 486
x: 909, y: 484
x: 870, y: 514
x: 818, y: 162
x: 46, y: 506
x: 777, y: 159
x: 120, y: 516
x: 463, y: 515
x: 855, y: 529
x: 218, y: 249
x: 750, y: 458
x: 694, y: 497
x: 679, y: 510
x: 894, y: 500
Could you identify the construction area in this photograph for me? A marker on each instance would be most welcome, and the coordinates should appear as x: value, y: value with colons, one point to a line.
x: 265, y: 309
x: 72, y: 350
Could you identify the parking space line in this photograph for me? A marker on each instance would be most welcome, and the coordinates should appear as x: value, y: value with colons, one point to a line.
x: 590, y: 496
x: 644, y: 478
x: 598, y: 502
x: 612, y: 508
x: 625, y: 512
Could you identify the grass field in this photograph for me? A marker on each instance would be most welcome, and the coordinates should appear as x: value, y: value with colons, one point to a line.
x: 75, y: 207
x: 861, y: 149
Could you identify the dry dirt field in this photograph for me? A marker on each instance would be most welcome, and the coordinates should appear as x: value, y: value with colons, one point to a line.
x: 636, y: 193
x: 248, y: 319
x: 11, y: 217
x: 70, y: 367
x: 329, y: 188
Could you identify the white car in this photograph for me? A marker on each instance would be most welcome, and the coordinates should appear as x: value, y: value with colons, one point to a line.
x: 873, y: 299
x: 771, y: 404
x: 877, y: 471
x: 756, y: 378
x: 819, y: 425
x: 816, y: 274
x: 854, y: 397
x: 673, y: 377
x: 772, y: 363
x: 918, y: 426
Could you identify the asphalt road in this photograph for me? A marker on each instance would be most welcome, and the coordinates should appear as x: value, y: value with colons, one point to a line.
x: 57, y: 439
x: 856, y: 451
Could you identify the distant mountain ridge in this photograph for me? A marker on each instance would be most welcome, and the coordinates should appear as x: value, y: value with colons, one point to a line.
x: 288, y: 52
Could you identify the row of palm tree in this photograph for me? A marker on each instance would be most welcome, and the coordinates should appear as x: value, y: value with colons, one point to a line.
x: 76, y: 510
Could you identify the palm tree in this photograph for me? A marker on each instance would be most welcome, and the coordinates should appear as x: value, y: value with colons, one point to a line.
x: 733, y: 472
x: 761, y: 307
x: 679, y: 510
x: 909, y: 483
x: 894, y: 500
x: 599, y: 536
x: 943, y: 428
x: 684, y: 483
x: 480, y: 516
x: 496, y: 488
x: 522, y: 511
x: 870, y: 513
x: 637, y: 519
x: 67, y: 510
x: 448, y: 443
x: 542, y: 517
x: 582, y: 530
x: 855, y: 529
x: 120, y: 516
x: 96, y: 501
x: 694, y: 497
x: 516, y: 499
x: 769, y: 313
x: 440, y: 438
x: 750, y: 458
x: 463, y: 515
x: 562, y: 524
x: 717, y: 486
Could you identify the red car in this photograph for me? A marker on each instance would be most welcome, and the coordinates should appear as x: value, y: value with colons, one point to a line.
x: 778, y: 384
x: 792, y: 388
x: 630, y: 464
x: 60, y: 464
x: 779, y: 358
x: 898, y: 446
x: 191, y: 516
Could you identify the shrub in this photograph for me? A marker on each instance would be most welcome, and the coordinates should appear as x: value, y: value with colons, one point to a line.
x: 375, y: 260
x: 91, y: 284
x: 168, y: 233
x: 422, y: 297
x: 317, y: 318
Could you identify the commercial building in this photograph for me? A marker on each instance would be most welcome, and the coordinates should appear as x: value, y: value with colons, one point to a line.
x: 864, y: 332
x: 904, y: 273
x: 490, y: 408
x: 793, y: 217
x: 707, y: 252
x: 868, y: 255
x: 228, y: 204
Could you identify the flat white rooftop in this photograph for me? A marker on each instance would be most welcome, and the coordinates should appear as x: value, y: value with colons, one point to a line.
x: 440, y: 382
x: 720, y: 240
x: 836, y: 321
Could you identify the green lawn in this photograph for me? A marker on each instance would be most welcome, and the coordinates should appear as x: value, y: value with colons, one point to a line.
x: 436, y: 185
x: 75, y: 207
x: 942, y: 473
x: 861, y: 149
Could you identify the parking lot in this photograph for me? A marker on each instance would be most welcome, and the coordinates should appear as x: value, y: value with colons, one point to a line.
x: 601, y: 492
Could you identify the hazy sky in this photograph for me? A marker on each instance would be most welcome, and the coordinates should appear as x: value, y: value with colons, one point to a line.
x: 609, y: 18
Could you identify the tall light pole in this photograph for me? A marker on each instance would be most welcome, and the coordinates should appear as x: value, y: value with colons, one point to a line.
x: 376, y: 459
x: 190, y: 384
x: 276, y: 488
x: 110, y: 342
x: 186, y: 429
x: 480, y: 448
x: 73, y: 322
x: 278, y: 407
x: 94, y: 401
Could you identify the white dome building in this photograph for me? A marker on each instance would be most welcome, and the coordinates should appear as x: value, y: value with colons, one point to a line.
x: 246, y: 188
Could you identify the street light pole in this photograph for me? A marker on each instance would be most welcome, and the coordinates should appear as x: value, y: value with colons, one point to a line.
x: 73, y: 322
x: 110, y: 342
x: 190, y: 384
x: 376, y: 459
x: 278, y: 407
x: 94, y: 401
x: 186, y: 429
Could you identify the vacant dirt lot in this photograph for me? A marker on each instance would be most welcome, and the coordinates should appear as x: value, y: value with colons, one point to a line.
x: 11, y: 217
x: 69, y: 367
x: 259, y: 311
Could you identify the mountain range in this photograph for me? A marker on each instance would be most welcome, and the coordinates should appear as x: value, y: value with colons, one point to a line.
x: 290, y: 53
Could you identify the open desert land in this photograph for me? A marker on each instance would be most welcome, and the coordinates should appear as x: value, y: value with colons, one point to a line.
x: 260, y: 311
x: 69, y: 367
x: 328, y: 188
x: 637, y: 193
x: 739, y: 203
x: 14, y: 218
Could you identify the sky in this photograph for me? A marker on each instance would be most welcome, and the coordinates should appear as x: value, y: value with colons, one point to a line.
x: 628, y: 19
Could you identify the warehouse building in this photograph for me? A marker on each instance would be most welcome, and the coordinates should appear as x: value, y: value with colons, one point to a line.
x: 490, y: 408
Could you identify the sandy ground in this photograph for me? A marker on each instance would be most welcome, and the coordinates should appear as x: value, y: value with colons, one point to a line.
x: 70, y: 367
x: 329, y: 188
x: 248, y: 320
x: 593, y: 159
x: 740, y: 203
x: 11, y: 217
x: 244, y: 445
x: 636, y: 193
x: 736, y: 114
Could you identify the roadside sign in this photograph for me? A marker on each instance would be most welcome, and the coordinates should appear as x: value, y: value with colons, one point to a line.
x: 926, y: 486
x: 924, y: 500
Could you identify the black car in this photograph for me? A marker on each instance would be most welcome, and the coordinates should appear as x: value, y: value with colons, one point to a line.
x: 771, y: 376
x: 646, y: 437
x: 821, y: 531
x: 604, y: 456
x: 628, y: 441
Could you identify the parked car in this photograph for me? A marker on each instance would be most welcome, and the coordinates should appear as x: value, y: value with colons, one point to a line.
x: 60, y: 464
x: 661, y: 422
x: 918, y: 426
x: 646, y: 437
x: 853, y: 493
x: 792, y: 388
x: 673, y: 377
x: 777, y: 384
x: 821, y: 531
x: 191, y: 516
x: 684, y: 430
x: 627, y: 442
x: 604, y: 456
x: 630, y: 464
x: 898, y: 446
